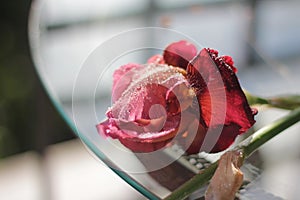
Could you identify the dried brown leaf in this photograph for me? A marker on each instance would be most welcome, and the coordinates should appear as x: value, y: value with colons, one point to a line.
x: 228, y: 177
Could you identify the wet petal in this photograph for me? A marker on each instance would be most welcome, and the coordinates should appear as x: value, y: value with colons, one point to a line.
x: 229, y: 61
x: 141, y: 118
x: 122, y: 78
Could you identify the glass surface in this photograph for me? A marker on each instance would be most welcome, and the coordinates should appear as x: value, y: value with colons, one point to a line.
x: 76, y: 47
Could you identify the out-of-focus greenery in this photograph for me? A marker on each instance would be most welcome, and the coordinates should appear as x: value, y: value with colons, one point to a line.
x: 27, y: 119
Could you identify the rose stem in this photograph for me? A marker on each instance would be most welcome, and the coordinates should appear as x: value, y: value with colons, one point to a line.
x: 269, y: 131
x: 255, y: 99
x: 248, y: 146
x: 288, y: 102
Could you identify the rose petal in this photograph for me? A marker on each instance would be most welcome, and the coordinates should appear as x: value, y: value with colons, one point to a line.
x: 141, y: 119
x: 179, y: 53
x: 122, y: 77
x: 216, y: 84
x: 156, y: 59
x: 226, y: 138
x: 150, y: 87
x: 193, y: 137
x: 238, y: 110
x: 205, y: 78
x: 125, y: 132
x: 229, y: 61
x: 144, y: 146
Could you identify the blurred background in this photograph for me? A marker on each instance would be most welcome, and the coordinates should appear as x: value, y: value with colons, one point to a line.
x: 40, y: 157
x: 25, y: 108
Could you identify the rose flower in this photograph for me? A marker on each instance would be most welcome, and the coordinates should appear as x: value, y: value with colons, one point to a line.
x: 171, y: 99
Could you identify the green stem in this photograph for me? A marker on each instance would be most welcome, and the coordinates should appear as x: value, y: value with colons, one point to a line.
x: 248, y: 146
x: 268, y: 132
x: 193, y: 184
x: 288, y: 102
x: 252, y: 100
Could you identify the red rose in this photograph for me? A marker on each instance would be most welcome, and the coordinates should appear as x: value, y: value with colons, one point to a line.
x: 174, y: 95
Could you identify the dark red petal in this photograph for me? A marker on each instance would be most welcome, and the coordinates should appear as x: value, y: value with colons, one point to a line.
x: 238, y: 109
x: 195, y: 143
x: 190, y: 133
x: 219, y: 139
x: 179, y: 53
x: 227, y: 137
x: 204, y: 76
x: 228, y: 61
x: 216, y: 85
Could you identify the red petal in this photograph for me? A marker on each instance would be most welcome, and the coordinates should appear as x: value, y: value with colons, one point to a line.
x: 229, y: 61
x: 220, y: 138
x: 196, y: 142
x: 227, y: 137
x: 205, y: 78
x: 217, y: 86
x: 179, y: 53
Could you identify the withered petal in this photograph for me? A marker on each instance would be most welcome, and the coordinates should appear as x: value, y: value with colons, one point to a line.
x: 216, y: 84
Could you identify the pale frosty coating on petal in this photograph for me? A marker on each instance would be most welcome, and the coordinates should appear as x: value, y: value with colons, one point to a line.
x: 146, y: 116
x: 227, y: 179
x: 122, y: 77
x: 130, y: 105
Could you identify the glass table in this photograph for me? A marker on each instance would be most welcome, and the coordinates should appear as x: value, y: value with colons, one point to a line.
x: 76, y: 47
